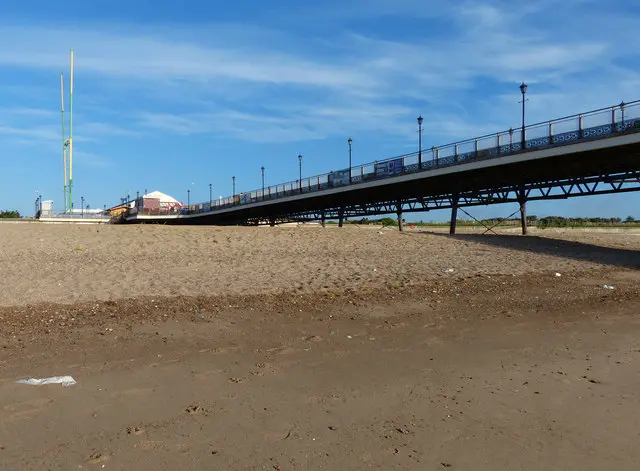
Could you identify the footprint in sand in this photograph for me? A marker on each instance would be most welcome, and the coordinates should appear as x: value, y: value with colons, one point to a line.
x: 97, y: 458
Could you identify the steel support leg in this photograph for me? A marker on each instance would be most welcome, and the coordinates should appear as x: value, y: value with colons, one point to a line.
x: 454, y: 215
x: 523, y: 211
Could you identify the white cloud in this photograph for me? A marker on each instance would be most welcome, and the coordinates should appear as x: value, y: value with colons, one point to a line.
x: 264, y: 85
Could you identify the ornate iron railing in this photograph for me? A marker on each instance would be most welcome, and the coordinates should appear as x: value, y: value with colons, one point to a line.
x: 596, y: 124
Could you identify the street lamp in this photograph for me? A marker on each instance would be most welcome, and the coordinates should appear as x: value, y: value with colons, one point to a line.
x: 523, y: 90
x: 350, y: 141
x: 188, y: 199
x: 82, y: 201
x: 234, y: 185
x: 420, y: 141
x: 300, y: 167
x: 210, y: 198
x: 262, y: 168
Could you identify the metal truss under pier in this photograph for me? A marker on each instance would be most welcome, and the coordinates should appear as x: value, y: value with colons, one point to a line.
x: 548, y: 190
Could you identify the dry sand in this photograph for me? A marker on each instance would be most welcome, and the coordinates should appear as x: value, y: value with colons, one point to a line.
x: 304, y: 349
x: 67, y: 264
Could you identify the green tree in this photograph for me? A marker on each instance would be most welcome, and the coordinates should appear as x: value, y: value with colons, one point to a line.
x: 388, y: 222
x: 9, y: 215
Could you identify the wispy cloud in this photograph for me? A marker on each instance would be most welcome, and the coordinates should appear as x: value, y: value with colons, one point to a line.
x: 237, y: 77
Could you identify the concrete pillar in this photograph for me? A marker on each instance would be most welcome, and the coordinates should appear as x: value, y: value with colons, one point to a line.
x: 399, y: 218
x: 454, y: 216
x: 523, y: 210
x: 323, y: 220
x: 340, y: 217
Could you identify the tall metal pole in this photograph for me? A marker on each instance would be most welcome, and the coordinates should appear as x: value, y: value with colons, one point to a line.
x: 300, y: 165
x: 350, y: 141
x: 188, y: 199
x: 82, y: 204
x: 64, y: 144
x: 420, y: 141
x: 234, y: 185
x: 262, y: 168
x: 523, y: 90
x: 71, y: 136
x: 210, y: 197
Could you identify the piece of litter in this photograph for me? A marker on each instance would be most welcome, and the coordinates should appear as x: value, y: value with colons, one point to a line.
x: 349, y: 336
x: 558, y: 275
x: 608, y: 287
x: 64, y: 380
x: 450, y: 270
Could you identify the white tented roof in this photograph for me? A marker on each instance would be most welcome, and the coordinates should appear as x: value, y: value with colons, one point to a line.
x: 158, y: 195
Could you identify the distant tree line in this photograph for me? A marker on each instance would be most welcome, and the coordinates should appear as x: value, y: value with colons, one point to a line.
x: 557, y: 221
x: 548, y: 221
x: 9, y: 215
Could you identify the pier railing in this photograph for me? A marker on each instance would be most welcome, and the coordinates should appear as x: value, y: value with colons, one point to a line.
x: 592, y: 125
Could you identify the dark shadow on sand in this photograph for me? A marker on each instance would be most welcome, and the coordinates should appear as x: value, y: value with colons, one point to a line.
x: 560, y: 248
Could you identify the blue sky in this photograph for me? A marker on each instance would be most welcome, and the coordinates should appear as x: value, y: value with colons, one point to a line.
x: 174, y: 95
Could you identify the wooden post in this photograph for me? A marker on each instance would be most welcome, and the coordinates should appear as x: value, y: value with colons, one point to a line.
x: 454, y: 216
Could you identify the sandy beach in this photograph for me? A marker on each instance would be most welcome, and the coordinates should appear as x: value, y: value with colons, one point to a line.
x: 302, y: 348
x: 69, y: 264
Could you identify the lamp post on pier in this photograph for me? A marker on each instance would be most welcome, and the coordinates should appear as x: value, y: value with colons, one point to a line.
x: 523, y: 90
x: 350, y: 141
x: 420, y: 141
x: 300, y: 171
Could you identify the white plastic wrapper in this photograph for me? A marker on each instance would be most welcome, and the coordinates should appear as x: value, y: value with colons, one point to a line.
x: 64, y: 380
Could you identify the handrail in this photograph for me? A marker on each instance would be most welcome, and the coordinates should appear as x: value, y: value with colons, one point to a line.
x: 497, y: 148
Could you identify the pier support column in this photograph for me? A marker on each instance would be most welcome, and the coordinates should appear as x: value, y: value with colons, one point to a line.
x: 522, y: 199
x: 399, y: 212
x: 272, y: 222
x: 323, y: 220
x: 340, y: 217
x: 454, y: 215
